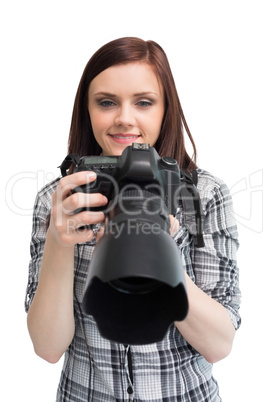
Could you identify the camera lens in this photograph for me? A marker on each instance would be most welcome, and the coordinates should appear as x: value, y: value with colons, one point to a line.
x: 135, y: 285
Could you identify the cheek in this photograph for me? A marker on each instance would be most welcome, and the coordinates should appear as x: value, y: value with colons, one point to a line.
x: 99, y: 121
x: 157, y: 120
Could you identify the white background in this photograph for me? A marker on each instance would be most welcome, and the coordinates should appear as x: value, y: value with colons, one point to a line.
x: 218, y: 54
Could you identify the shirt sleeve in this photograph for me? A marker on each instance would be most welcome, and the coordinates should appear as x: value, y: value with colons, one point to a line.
x: 215, y: 265
x: 39, y: 229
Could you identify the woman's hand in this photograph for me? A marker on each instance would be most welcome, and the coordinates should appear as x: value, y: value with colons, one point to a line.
x: 174, y: 225
x: 207, y: 327
x: 51, y: 316
x: 67, y: 227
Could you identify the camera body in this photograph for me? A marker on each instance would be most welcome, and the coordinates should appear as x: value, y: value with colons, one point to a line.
x: 141, y: 181
x: 138, y: 172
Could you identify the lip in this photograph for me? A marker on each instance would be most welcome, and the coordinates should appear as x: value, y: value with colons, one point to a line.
x: 126, y: 138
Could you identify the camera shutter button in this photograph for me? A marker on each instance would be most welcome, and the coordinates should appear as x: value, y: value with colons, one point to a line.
x: 167, y: 161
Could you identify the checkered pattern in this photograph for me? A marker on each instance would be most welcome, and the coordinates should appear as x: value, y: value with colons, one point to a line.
x: 96, y: 369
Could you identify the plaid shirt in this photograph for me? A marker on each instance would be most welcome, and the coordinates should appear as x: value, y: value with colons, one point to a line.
x: 96, y: 369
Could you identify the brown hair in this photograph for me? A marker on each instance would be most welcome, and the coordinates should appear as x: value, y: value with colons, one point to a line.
x: 121, y: 51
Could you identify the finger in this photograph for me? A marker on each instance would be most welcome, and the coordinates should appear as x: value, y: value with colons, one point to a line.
x: 85, y: 236
x: 101, y: 230
x: 174, y: 224
x: 83, y: 200
x: 68, y: 183
x: 100, y: 233
x: 84, y: 218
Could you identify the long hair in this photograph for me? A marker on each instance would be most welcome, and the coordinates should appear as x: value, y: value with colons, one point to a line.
x: 122, y: 51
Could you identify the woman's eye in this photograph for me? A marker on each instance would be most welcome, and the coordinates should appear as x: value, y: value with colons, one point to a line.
x: 106, y: 103
x: 144, y: 103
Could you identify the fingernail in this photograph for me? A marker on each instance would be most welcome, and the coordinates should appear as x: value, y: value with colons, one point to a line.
x: 91, y: 175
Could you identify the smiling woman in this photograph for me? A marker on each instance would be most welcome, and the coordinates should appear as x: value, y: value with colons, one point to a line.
x: 121, y: 112
x: 127, y: 94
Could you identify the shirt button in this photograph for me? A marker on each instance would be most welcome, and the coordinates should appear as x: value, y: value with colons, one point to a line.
x: 130, y: 390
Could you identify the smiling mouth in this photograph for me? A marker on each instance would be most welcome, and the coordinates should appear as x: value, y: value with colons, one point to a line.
x: 124, y: 138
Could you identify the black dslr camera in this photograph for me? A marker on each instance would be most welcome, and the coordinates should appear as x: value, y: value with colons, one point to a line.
x: 135, y: 287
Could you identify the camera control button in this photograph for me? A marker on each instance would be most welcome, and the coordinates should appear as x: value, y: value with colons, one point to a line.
x: 167, y: 161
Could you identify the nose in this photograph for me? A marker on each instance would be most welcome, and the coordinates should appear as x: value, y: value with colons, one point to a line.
x: 125, y: 116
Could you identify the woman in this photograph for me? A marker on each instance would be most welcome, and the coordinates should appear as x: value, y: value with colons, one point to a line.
x: 127, y: 94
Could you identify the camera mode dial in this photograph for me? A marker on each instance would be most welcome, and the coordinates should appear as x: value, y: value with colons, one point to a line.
x: 168, y: 162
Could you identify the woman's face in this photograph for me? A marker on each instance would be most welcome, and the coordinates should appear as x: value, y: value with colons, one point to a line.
x: 126, y: 105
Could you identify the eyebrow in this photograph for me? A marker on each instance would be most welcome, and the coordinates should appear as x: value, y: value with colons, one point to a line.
x: 105, y: 94
x: 145, y: 93
x: 110, y: 95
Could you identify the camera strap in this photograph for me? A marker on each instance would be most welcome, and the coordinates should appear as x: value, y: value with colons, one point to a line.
x: 194, y: 176
x: 191, y: 206
x: 71, y: 158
